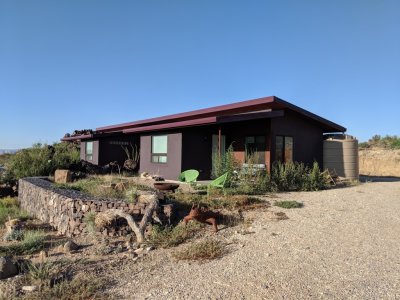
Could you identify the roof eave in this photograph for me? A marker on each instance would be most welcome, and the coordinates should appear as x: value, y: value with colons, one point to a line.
x: 77, y: 137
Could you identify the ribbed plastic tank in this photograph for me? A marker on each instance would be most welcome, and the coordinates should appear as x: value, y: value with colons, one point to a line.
x: 341, y: 156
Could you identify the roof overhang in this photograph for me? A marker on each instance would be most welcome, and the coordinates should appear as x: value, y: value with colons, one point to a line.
x: 267, y: 107
x: 77, y: 137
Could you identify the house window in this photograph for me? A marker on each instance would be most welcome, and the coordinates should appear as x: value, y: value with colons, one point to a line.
x: 255, y: 148
x: 284, y: 148
x: 159, y: 149
x: 89, y: 151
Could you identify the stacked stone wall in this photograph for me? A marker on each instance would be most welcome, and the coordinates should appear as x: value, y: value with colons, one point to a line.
x: 67, y: 210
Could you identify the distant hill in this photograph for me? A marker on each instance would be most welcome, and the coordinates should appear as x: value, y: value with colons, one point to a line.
x: 8, y: 151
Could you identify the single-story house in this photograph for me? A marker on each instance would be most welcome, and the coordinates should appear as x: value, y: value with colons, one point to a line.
x: 274, y: 129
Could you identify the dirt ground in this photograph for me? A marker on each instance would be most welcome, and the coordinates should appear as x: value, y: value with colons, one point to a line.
x: 343, y: 244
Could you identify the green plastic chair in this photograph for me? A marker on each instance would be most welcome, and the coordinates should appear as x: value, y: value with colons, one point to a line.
x: 189, y: 176
x: 217, y: 183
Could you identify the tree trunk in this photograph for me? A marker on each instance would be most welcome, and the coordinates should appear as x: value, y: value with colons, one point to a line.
x: 106, y: 217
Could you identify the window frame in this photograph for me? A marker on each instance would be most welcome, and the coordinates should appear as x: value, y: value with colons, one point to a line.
x: 264, y: 145
x: 155, y: 156
x: 87, y: 155
x: 283, y: 150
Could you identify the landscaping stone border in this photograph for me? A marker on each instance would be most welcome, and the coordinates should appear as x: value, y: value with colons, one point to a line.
x: 65, y: 210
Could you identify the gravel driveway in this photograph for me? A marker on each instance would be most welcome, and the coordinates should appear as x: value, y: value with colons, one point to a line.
x: 343, y: 244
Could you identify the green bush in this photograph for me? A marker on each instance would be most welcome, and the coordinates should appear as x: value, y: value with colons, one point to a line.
x: 89, y: 220
x: 288, y: 204
x: 225, y: 163
x: 315, y: 180
x: 32, y: 242
x: 9, y: 209
x: 387, y: 142
x: 65, y: 154
x: 288, y: 176
x: 41, y: 160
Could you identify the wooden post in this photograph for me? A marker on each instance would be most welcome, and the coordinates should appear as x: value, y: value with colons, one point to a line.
x: 219, y: 141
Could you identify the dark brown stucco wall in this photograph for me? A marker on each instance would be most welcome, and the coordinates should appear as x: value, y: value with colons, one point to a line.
x: 197, y: 149
x: 173, y: 167
x: 108, y: 149
x: 111, y: 148
x: 307, y: 137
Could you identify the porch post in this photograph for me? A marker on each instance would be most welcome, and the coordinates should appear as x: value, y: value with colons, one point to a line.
x: 219, y: 141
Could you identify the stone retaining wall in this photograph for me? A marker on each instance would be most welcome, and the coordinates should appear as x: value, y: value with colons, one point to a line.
x: 65, y: 210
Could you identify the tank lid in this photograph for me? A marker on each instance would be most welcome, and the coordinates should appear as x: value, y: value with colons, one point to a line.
x: 339, y: 136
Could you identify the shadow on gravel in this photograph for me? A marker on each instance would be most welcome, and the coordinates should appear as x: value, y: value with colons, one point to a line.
x: 365, y: 178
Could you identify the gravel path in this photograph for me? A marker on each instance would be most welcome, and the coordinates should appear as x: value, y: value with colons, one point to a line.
x: 343, y: 244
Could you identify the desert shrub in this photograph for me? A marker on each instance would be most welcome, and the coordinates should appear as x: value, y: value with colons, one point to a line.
x: 387, y: 142
x: 172, y: 236
x: 225, y: 163
x: 230, y: 200
x: 33, y: 241
x: 89, y: 220
x: 9, y: 209
x: 64, y: 155
x: 132, y: 195
x: 41, y: 160
x: 101, y: 187
x: 9, y: 202
x: 34, y: 161
x: 40, y: 273
x: 95, y: 186
x: 82, y: 286
x: 5, y: 158
x: 56, y: 281
x: 315, y: 180
x: 203, y: 250
x: 288, y: 204
x: 14, y: 235
x: 288, y: 176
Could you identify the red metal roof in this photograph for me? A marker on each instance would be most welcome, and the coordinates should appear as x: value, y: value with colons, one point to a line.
x: 271, y: 102
x: 77, y: 137
x: 211, y: 115
x: 205, y: 112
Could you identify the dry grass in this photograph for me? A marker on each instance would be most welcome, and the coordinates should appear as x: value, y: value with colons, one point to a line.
x: 379, y: 162
x: 218, y: 201
x: 173, y: 236
x: 203, y: 250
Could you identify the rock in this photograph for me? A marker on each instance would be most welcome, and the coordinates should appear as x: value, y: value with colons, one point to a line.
x: 13, y: 224
x: 104, y: 241
x: 7, y: 267
x: 29, y: 288
x: 70, y: 246
x: 62, y: 176
x: 151, y: 248
x: 144, y: 175
x: 42, y: 255
x: 146, y: 198
x: 139, y: 251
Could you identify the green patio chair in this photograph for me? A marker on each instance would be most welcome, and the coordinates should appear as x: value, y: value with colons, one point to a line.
x: 217, y: 183
x: 189, y: 176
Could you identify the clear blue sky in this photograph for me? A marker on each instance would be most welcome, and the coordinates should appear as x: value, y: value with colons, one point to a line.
x: 68, y: 65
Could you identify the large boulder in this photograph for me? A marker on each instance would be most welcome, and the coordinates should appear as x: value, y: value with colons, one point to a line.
x: 63, y: 176
x: 7, y: 267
